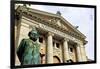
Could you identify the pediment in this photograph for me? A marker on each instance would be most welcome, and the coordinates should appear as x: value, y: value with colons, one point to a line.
x: 53, y: 20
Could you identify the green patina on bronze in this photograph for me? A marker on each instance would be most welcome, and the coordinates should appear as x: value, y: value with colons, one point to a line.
x: 28, y: 50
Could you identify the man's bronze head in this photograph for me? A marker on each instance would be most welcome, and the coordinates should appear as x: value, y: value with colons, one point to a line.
x: 33, y: 34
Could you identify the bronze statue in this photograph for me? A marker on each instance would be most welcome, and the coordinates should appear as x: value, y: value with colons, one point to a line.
x: 28, y: 50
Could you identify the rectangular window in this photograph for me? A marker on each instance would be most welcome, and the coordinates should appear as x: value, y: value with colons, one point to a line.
x: 71, y: 49
x: 57, y: 45
x: 40, y: 39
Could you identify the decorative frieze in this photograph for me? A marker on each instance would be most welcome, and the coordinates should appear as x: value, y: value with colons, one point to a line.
x: 58, y: 32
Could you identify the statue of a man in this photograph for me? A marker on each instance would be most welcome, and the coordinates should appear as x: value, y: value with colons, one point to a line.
x: 28, y: 50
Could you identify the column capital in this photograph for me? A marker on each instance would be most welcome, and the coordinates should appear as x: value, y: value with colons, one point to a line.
x: 80, y: 44
x: 50, y: 33
x: 66, y: 39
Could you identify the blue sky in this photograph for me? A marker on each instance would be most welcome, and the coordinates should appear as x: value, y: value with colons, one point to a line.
x: 82, y: 17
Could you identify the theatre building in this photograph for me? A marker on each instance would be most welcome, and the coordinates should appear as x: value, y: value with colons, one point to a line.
x: 59, y: 40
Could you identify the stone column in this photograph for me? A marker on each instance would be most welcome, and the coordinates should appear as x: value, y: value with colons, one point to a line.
x: 83, y: 53
x: 66, y: 51
x: 78, y: 51
x: 50, y: 48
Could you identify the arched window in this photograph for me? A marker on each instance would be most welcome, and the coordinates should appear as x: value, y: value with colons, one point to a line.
x: 56, y: 59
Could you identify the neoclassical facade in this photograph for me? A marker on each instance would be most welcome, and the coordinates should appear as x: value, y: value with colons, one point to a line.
x: 59, y: 40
